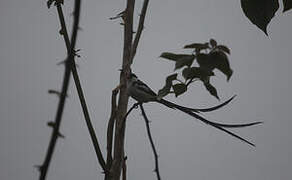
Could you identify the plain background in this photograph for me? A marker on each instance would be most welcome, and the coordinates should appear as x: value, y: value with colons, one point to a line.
x: 30, y: 48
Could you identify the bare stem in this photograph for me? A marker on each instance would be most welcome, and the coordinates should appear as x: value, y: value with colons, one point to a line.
x: 118, y: 151
x: 151, y: 142
x: 70, y: 50
x: 139, y: 29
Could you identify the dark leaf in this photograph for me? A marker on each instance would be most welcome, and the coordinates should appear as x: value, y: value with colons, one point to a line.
x: 213, y: 42
x: 172, y: 77
x: 188, y: 73
x: 205, y: 61
x: 223, y: 48
x: 184, y: 61
x: 220, y: 61
x: 174, y: 57
x: 197, y: 46
x: 212, y: 90
x: 260, y: 12
x: 196, y: 72
x: 287, y: 5
x: 168, y: 83
x: 179, y: 89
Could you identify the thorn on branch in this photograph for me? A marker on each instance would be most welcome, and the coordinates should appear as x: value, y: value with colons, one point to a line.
x: 120, y: 15
x: 61, y: 135
x: 38, y: 167
x: 52, y: 91
x: 61, y: 32
x: 51, y: 124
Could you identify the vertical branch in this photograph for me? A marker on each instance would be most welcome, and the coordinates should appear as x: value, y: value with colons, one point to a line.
x: 128, y: 55
x: 123, y: 96
x: 139, y: 29
x: 110, y: 128
x: 151, y: 142
x: 70, y: 50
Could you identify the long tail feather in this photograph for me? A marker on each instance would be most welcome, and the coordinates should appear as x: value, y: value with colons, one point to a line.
x: 214, y: 124
x: 216, y: 107
x: 217, y: 126
x: 182, y: 108
x: 172, y: 105
x: 236, y: 125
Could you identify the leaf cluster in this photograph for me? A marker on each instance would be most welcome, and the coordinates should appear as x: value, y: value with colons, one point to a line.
x: 208, y: 57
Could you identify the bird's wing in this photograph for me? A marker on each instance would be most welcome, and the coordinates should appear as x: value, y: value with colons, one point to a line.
x: 143, y: 87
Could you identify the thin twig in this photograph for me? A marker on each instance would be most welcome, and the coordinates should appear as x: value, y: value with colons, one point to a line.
x: 139, y: 29
x: 55, y: 134
x: 151, y: 142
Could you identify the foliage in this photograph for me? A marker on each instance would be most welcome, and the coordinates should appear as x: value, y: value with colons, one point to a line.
x: 261, y: 12
x: 209, y: 56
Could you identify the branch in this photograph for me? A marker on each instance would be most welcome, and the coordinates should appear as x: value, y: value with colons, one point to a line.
x: 151, y: 142
x: 119, y: 139
x: 124, y: 177
x: 110, y: 127
x: 84, y: 106
x: 55, y: 134
x: 139, y: 29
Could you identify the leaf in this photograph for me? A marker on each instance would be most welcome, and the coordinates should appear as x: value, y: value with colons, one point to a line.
x: 212, y: 90
x: 168, y: 83
x: 260, y: 12
x: 197, y: 46
x: 196, y: 72
x: 179, y: 89
x: 184, y: 61
x: 174, y: 57
x: 213, y: 42
x: 223, y: 48
x: 287, y: 5
x: 221, y: 62
x: 205, y: 62
x: 172, y: 77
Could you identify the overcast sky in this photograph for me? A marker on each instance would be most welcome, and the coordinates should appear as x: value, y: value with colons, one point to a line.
x: 30, y: 48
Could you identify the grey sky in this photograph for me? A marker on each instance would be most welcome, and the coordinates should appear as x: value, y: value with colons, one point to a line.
x: 30, y: 48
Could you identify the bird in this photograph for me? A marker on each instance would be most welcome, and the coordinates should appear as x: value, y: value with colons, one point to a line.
x: 142, y: 93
